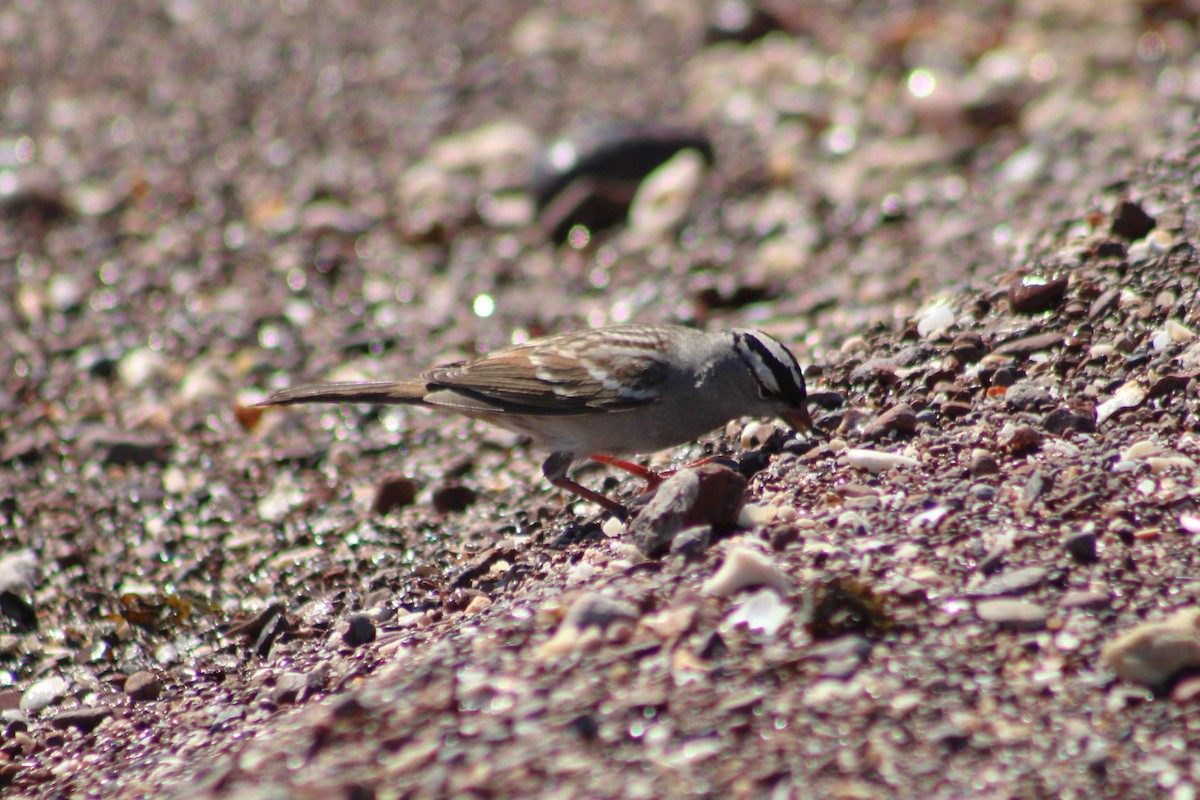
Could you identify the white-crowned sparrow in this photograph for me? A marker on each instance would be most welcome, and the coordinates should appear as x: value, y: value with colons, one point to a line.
x: 602, y: 393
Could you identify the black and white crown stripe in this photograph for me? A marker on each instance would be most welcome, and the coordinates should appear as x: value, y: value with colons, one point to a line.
x: 773, y: 365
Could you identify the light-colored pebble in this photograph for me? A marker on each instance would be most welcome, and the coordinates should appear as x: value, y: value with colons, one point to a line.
x: 1130, y: 395
x: 743, y: 568
x: 1143, y: 448
x: 1009, y: 613
x: 934, y: 319
x: 613, y: 527
x: 1159, y: 465
x: 665, y: 196
x: 756, y: 435
x: 754, y: 516
x: 1190, y: 523
x: 876, y: 461
x: 764, y: 611
x: 1154, y: 651
x: 43, y: 693
x: 1178, y: 332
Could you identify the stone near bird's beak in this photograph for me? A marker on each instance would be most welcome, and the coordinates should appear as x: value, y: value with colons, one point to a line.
x: 799, y: 420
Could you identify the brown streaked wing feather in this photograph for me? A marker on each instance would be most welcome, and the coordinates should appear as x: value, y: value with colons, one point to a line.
x: 561, y: 383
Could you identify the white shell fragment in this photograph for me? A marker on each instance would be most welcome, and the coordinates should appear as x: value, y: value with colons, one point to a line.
x: 764, y: 611
x: 1128, y: 396
x: 876, y: 461
x: 742, y: 568
x: 665, y: 196
x: 1153, y: 652
x: 934, y: 318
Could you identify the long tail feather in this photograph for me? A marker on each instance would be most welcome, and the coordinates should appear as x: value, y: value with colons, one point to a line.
x: 380, y: 392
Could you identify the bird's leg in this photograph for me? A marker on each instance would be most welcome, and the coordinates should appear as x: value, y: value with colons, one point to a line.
x: 653, y: 479
x: 555, y: 469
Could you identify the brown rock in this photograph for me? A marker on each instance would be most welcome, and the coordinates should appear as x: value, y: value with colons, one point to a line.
x: 1029, y: 344
x: 143, y: 685
x: 711, y: 494
x: 901, y: 419
x: 393, y: 492
x: 453, y: 498
x: 1131, y: 222
x: 1034, y: 293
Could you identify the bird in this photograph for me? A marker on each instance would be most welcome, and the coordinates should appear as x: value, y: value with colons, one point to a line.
x: 601, y: 393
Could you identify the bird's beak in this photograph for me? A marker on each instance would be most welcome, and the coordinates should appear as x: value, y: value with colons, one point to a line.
x: 799, y: 420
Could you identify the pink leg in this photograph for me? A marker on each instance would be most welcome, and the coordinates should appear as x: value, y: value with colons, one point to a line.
x: 587, y: 494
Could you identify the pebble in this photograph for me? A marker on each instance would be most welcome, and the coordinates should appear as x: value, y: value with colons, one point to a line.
x: 691, y: 543
x: 981, y: 491
x: 665, y: 196
x: 1016, y: 614
x: 1081, y: 544
x: 1027, y: 345
x: 613, y: 527
x: 84, y: 719
x: 875, y: 461
x: 1190, y: 522
x: 588, y: 610
x: 900, y: 419
x: 1027, y: 396
x: 143, y: 685
x: 1153, y: 652
x: 1064, y: 419
x: 360, y: 630
x: 19, y: 571
x: 854, y: 521
x: 711, y: 494
x: 1130, y: 395
x: 934, y: 319
x: 983, y: 463
x: 393, y: 493
x: 1085, y: 598
x: 763, y: 611
x: 744, y: 568
x: 1034, y: 293
x: 1130, y: 222
x: 139, y: 365
x: 1178, y: 332
x: 1015, y: 582
x: 450, y: 499
x: 44, y: 693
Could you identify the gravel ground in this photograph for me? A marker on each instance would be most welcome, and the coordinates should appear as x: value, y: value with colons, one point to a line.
x: 978, y: 230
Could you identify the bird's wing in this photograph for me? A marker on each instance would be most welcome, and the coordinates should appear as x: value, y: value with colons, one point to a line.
x: 535, y: 379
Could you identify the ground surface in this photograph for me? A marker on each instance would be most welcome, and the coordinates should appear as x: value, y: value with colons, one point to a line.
x: 204, y: 201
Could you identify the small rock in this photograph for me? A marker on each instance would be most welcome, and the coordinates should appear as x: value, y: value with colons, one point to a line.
x: 900, y: 419
x: 588, y: 610
x: 1130, y: 395
x: 1021, y: 440
x: 1026, y: 396
x: 1027, y: 345
x: 967, y: 347
x: 360, y: 630
x: 934, y: 319
x: 1034, y: 293
x: 1066, y: 418
x: 743, y: 568
x: 1154, y: 652
x: 710, y: 494
x: 84, y: 719
x: 692, y: 543
x: 1015, y: 582
x: 763, y: 611
x: 44, y: 693
x: 1130, y: 222
x: 981, y: 491
x: 1016, y: 614
x: 1085, y: 598
x: 1081, y: 545
x: 875, y: 461
x: 983, y: 463
x: 449, y: 499
x: 143, y: 685
x: 289, y: 687
x: 591, y: 182
x: 393, y: 493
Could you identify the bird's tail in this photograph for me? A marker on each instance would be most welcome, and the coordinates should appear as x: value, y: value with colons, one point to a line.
x: 378, y: 392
